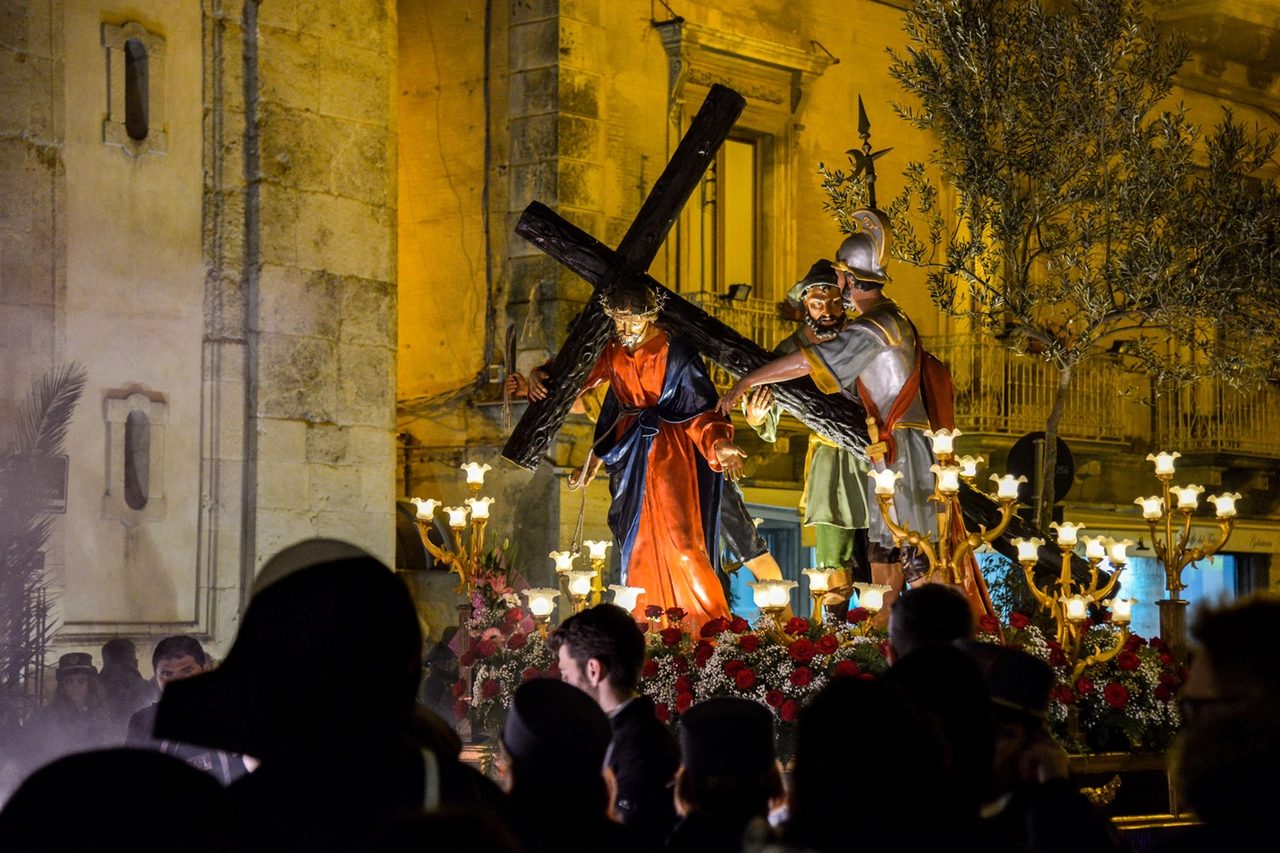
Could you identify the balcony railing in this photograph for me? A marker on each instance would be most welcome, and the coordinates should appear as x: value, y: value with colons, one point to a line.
x: 1212, y: 417
x: 756, y: 319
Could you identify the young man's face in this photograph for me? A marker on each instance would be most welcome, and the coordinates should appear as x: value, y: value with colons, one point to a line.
x: 630, y: 329
x: 76, y: 687
x: 584, y: 677
x: 176, y: 669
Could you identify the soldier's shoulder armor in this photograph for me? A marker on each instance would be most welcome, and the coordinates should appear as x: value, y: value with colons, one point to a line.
x: 886, y: 322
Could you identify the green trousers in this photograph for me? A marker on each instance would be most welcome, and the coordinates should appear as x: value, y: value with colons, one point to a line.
x: 839, y: 547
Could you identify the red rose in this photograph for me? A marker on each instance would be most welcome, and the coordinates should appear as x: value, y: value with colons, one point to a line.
x: 1166, y: 658
x: 1019, y: 620
x: 643, y: 626
x: 1117, y: 695
x: 517, y: 641
x: 1062, y: 693
x: 1128, y: 661
x: 653, y: 611
x: 801, y: 677
x: 1164, y: 694
x: 684, y: 685
x: 827, y: 644
x: 1159, y: 643
x: 467, y: 659
x: 989, y: 623
x: 745, y: 679
x: 676, y: 614
x: 1084, y: 686
x: 490, y: 689
x: 846, y: 669
x: 514, y: 615
x: 717, y: 625
x: 775, y: 698
x: 739, y: 625
x: 1168, y: 680
x: 1134, y: 642
x: 788, y: 710
x: 459, y: 687
x: 662, y: 712
x: 531, y: 673
x: 650, y: 668
x: 703, y: 653
x: 748, y: 643
x: 796, y: 625
x: 679, y: 664
x: 553, y: 671
x: 1057, y: 658
x: 683, y: 701
x: 802, y: 651
x: 857, y: 615
x: 671, y: 636
x: 486, y: 648
x: 460, y: 709
x: 733, y: 667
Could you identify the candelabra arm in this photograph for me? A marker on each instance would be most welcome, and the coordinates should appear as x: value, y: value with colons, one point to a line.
x: 461, y: 564
x: 1101, y: 657
x: 1185, y: 536
x: 1227, y: 525
x: 902, y: 533
x: 1100, y: 594
x: 437, y: 553
x: 1042, y: 598
x: 477, y: 541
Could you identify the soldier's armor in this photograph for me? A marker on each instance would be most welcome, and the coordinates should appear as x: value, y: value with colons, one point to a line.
x: 891, y: 367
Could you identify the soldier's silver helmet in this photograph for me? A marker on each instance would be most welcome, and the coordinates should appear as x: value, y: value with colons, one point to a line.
x: 859, y: 255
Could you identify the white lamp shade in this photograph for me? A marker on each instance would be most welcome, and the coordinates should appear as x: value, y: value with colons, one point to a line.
x: 479, y: 508
x: 579, y: 582
x: 1067, y: 532
x: 772, y: 593
x: 819, y: 579
x: 944, y: 441
x: 969, y: 465
x: 475, y: 472
x: 626, y: 596
x: 1225, y: 504
x: 1007, y: 486
x: 564, y: 560
x: 1077, y: 607
x: 871, y: 595
x: 1152, y: 507
x: 541, y: 601
x: 1027, y: 549
x: 457, y: 516
x: 884, y: 480
x: 1188, y: 496
x: 1121, y: 609
x: 427, y: 508
x: 1164, y: 461
x: 1095, y: 547
x: 948, y: 478
x: 595, y: 550
x: 1116, y: 551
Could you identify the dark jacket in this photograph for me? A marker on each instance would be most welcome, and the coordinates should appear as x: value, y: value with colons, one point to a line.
x: 226, y: 767
x: 1050, y: 818
x: 644, y: 757
x: 703, y: 833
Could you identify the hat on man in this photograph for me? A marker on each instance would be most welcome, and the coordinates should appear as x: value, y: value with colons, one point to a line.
x: 74, y: 662
x: 727, y: 737
x: 821, y: 274
x: 555, y: 730
x: 1016, y: 680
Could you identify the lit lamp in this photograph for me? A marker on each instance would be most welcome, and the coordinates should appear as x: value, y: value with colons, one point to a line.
x: 595, y: 553
x: 1067, y: 532
x: 1121, y: 609
x: 564, y: 560
x: 1152, y: 507
x: 948, y: 478
x: 871, y: 597
x: 1095, y: 548
x: 943, y: 441
x: 969, y: 466
x: 579, y: 587
x: 426, y: 509
x: 1007, y: 486
x: 1116, y: 552
x: 1188, y: 497
x: 1028, y: 550
x: 1164, y: 463
x: 541, y: 602
x: 884, y: 480
x: 1077, y: 607
x: 479, y: 508
x: 475, y: 474
x: 819, y: 585
x: 457, y: 516
x: 1225, y: 504
x: 626, y: 596
x: 772, y: 596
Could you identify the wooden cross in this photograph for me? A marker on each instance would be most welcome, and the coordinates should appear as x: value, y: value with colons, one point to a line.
x: 837, y: 417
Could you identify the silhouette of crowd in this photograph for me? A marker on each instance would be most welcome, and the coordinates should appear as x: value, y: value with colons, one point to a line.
x: 311, y: 736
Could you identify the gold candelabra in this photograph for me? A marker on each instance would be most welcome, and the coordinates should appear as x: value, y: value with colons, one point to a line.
x: 772, y: 596
x: 870, y: 599
x: 465, y: 561
x: 1068, y: 600
x: 948, y: 472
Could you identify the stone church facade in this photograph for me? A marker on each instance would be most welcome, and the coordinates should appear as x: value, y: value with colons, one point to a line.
x: 278, y: 235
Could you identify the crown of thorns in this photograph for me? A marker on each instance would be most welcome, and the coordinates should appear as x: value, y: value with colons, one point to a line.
x: 630, y: 300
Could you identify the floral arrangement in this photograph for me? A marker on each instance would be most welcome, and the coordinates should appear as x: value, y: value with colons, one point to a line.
x: 1125, y: 704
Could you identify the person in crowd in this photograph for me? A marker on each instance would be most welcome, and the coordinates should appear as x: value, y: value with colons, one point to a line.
x: 855, y: 731
x: 441, y: 664
x: 117, y: 799
x: 174, y: 659
x: 552, y: 749
x: 345, y: 749
x: 75, y: 720
x: 931, y: 614
x: 601, y: 652
x: 123, y: 687
x: 471, y: 829
x: 1030, y: 803
x: 1227, y: 759
x: 728, y: 775
x: 945, y: 683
